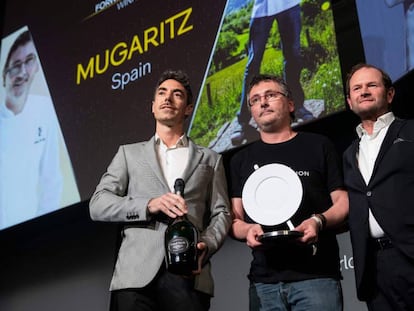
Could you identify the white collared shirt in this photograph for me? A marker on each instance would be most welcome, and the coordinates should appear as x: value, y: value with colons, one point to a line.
x: 173, y: 160
x: 369, y: 146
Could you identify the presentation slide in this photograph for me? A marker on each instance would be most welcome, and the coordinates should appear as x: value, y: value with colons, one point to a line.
x: 78, y: 81
x: 79, y: 78
x: 36, y: 173
x: 292, y: 39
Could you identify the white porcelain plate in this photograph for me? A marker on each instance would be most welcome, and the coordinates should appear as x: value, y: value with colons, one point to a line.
x: 272, y: 194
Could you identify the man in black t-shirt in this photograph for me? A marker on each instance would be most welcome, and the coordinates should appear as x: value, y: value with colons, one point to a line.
x: 300, y: 274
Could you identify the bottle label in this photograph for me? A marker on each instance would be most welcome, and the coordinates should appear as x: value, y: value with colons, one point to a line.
x: 178, y: 245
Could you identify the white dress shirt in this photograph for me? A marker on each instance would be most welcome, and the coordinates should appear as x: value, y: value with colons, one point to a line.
x: 369, y: 147
x: 173, y: 160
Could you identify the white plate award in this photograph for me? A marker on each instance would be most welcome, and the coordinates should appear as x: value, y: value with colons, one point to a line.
x: 271, y: 196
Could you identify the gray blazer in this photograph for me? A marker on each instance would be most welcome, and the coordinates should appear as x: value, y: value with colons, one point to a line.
x: 131, y: 180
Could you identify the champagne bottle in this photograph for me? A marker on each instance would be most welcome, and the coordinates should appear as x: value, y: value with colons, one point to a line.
x: 181, y: 239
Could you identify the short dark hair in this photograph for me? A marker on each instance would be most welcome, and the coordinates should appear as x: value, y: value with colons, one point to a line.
x: 269, y: 77
x: 179, y: 76
x: 386, y: 80
x: 24, y: 38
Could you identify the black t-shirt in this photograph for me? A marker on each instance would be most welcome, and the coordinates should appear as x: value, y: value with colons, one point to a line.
x: 315, y: 161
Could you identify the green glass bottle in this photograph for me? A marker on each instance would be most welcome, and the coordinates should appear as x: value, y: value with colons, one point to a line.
x: 181, y: 239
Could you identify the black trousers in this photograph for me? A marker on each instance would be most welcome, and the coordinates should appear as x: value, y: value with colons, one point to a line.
x: 394, y: 282
x: 167, y: 292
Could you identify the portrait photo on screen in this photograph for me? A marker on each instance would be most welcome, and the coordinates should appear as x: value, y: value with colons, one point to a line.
x: 294, y: 39
x: 36, y: 175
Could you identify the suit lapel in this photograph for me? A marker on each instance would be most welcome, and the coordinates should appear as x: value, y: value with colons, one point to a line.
x: 152, y: 160
x: 194, y: 158
x: 354, y: 161
x: 389, y: 139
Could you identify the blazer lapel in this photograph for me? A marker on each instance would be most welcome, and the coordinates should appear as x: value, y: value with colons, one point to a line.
x: 194, y: 158
x: 354, y: 162
x: 389, y: 139
x: 152, y: 159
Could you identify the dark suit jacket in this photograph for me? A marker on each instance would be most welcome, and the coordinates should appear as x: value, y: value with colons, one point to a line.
x: 390, y: 196
x: 132, y: 179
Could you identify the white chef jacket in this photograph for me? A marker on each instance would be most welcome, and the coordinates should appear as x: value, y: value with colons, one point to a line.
x: 31, y: 179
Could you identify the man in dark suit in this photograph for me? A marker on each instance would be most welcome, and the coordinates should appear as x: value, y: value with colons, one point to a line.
x: 137, y: 190
x: 379, y: 175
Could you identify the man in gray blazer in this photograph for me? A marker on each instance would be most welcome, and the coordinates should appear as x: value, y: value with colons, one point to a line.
x: 137, y: 191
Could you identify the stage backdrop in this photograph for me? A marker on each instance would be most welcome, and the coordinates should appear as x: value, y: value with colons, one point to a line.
x: 100, y: 61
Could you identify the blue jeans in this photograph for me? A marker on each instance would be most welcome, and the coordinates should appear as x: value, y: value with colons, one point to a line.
x: 309, y: 295
x: 289, y: 23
